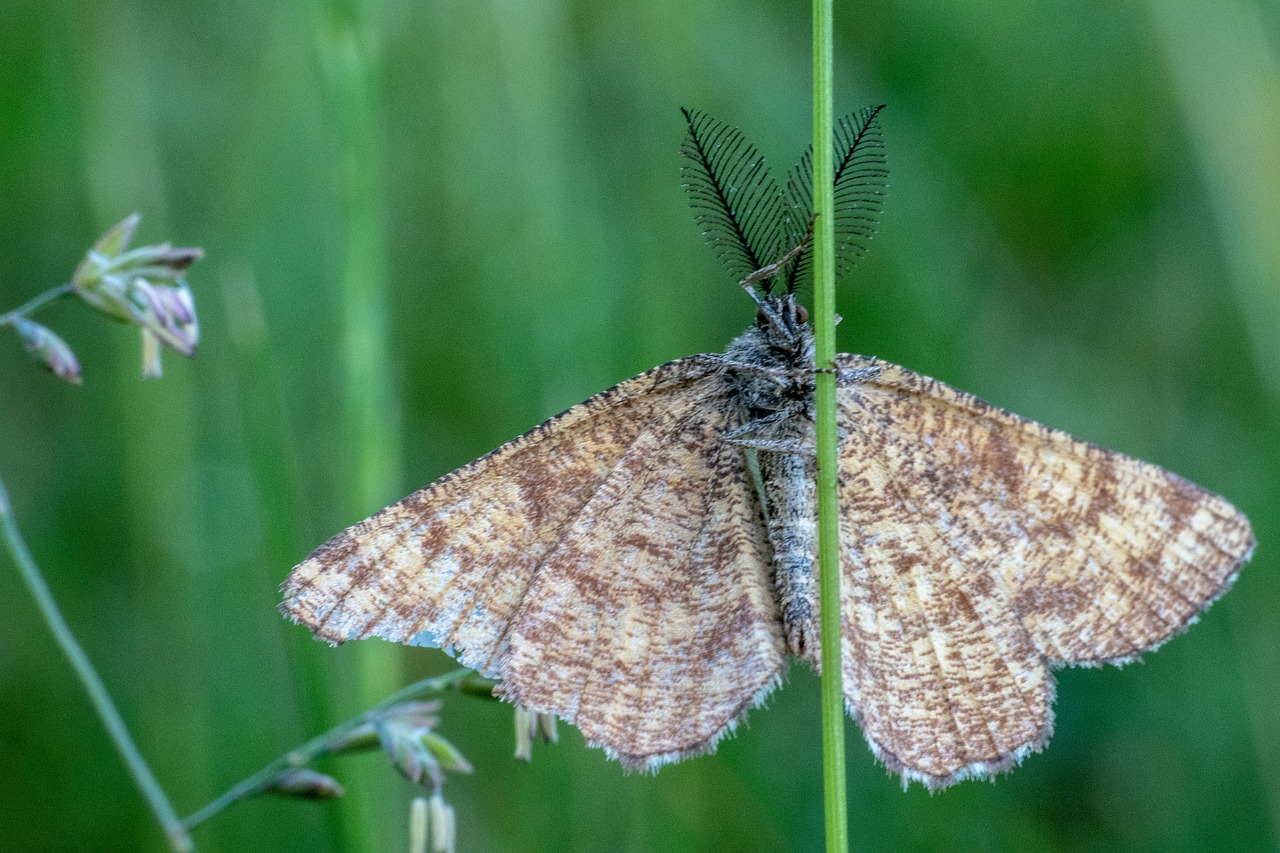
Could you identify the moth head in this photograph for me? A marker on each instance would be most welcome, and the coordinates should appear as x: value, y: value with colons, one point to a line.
x: 783, y: 322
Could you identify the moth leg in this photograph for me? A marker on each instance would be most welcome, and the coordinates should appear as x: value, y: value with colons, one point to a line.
x: 794, y: 446
x: 759, y: 424
x: 846, y: 377
x: 776, y: 432
x: 778, y: 377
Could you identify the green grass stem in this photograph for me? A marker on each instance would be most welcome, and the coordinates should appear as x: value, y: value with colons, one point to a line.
x: 102, y: 702
x: 824, y: 323
x: 320, y: 745
x: 347, y: 45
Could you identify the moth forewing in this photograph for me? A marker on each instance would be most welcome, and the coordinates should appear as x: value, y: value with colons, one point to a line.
x: 449, y: 565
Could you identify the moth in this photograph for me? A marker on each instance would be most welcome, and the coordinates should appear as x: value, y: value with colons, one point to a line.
x: 643, y: 564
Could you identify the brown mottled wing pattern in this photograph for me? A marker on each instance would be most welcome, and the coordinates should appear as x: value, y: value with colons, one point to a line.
x: 510, y: 552
x: 981, y: 549
x: 656, y: 638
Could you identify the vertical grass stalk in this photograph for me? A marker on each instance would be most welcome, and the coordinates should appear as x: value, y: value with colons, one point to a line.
x: 347, y: 44
x: 824, y: 324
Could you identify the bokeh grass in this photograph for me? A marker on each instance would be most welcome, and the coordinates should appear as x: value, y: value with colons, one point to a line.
x: 430, y: 225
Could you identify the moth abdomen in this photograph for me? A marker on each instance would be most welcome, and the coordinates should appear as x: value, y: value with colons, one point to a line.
x: 788, y: 480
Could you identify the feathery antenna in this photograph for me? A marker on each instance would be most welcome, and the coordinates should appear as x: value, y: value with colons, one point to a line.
x: 736, y: 201
x: 750, y: 224
x: 861, y: 175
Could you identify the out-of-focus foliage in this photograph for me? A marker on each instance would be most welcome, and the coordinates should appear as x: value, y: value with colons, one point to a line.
x: 430, y: 225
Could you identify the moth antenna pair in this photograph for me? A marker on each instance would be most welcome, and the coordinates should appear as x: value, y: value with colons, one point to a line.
x: 748, y: 219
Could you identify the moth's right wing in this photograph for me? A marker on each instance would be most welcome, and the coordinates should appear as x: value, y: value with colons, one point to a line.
x: 981, y: 549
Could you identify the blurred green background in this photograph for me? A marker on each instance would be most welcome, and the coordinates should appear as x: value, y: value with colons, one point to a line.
x: 430, y: 225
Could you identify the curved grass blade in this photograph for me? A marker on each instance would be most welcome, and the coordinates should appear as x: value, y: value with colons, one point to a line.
x: 736, y: 201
